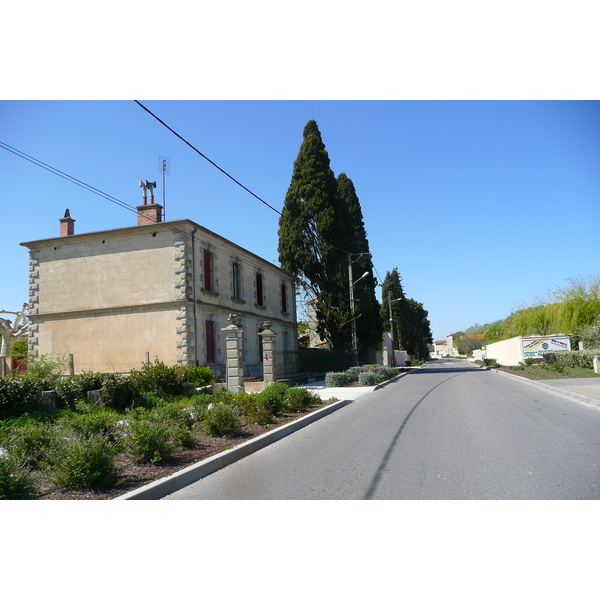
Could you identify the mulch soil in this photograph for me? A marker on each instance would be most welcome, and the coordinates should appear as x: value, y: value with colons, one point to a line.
x: 132, y: 476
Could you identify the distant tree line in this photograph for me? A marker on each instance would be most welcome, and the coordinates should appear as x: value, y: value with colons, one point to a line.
x: 572, y: 310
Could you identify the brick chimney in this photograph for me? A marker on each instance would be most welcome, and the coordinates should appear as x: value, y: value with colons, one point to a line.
x: 149, y: 212
x: 67, y: 225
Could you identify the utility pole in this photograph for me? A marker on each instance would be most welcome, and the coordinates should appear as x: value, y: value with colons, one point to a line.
x: 351, y: 285
x: 393, y: 357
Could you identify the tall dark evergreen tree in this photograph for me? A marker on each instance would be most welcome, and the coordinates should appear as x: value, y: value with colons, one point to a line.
x: 412, y: 329
x: 312, y: 228
x: 368, y: 320
x: 391, y: 289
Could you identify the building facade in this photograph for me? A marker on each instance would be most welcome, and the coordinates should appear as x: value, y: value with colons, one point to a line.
x: 115, y: 299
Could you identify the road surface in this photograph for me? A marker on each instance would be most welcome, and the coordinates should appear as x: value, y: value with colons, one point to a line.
x: 448, y: 431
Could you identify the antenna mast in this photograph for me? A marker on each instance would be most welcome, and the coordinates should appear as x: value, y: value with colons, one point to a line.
x: 163, y: 166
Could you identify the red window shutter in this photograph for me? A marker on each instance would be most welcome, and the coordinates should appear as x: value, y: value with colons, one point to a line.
x: 210, y: 342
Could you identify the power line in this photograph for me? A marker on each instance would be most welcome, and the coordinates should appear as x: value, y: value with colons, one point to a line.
x: 205, y: 157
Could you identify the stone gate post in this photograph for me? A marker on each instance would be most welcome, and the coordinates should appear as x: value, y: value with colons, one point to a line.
x: 268, y: 345
x: 235, y: 354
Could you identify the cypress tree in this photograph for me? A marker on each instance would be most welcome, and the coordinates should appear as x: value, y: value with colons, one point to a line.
x: 369, y: 326
x: 391, y: 289
x: 311, y: 231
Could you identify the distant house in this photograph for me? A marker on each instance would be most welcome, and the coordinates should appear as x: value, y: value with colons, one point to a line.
x: 440, y: 348
x: 115, y: 298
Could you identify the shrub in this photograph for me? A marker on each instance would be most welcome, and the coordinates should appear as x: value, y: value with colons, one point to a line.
x: 199, y: 376
x: 18, y: 396
x: 83, y: 462
x: 386, y: 372
x: 577, y: 358
x: 274, y: 396
x: 200, y: 404
x: 260, y: 409
x: 221, y: 420
x: 30, y: 444
x: 370, y: 378
x: 15, y: 482
x: 75, y: 388
x: 151, y: 437
x: 183, y: 419
x: 352, y: 375
x: 119, y: 391
x: 336, y: 379
x: 160, y: 378
x: 98, y: 422
x: 298, y: 399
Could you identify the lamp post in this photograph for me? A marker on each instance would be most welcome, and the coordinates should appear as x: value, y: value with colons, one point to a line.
x: 351, y: 285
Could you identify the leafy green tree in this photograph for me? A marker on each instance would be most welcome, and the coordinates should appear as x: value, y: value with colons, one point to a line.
x: 579, y: 303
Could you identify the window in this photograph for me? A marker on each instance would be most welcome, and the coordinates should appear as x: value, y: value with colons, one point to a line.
x: 259, y: 289
x: 284, y: 306
x: 235, y: 274
x: 210, y: 341
x: 208, y: 275
x: 260, y: 345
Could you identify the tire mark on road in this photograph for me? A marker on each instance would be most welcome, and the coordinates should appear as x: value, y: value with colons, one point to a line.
x: 371, y: 490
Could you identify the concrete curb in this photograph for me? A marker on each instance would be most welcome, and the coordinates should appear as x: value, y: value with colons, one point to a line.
x: 167, y: 485
x: 572, y: 395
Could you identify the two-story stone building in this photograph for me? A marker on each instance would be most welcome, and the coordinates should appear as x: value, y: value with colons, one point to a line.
x: 116, y: 298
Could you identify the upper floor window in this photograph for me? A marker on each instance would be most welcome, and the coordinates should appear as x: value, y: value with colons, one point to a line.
x: 235, y: 280
x: 284, y: 302
x: 259, y: 289
x: 208, y: 271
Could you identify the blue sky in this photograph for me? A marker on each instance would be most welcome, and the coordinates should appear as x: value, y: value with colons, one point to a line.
x: 482, y: 205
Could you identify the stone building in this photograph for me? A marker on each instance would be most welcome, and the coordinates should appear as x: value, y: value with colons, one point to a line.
x: 114, y: 299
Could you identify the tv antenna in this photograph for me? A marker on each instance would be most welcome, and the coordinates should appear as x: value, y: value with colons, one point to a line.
x: 164, y: 167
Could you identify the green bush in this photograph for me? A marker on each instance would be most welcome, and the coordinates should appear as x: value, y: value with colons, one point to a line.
x: 15, y: 482
x: 370, y: 378
x: 183, y: 420
x: 151, y: 438
x: 19, y: 396
x: 336, y: 379
x: 222, y: 420
x: 120, y: 391
x: 298, y: 399
x: 83, y: 462
x: 200, y: 404
x: 160, y: 379
x: 260, y: 409
x: 75, y: 388
x: 528, y: 361
x: 98, y: 422
x: 385, y: 372
x: 274, y: 396
x: 30, y: 444
x: 577, y: 358
x: 199, y: 376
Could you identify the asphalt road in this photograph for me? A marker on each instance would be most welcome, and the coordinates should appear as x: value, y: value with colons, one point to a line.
x: 447, y: 431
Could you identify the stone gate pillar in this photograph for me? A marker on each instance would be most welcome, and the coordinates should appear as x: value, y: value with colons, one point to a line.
x: 268, y: 350
x: 235, y: 354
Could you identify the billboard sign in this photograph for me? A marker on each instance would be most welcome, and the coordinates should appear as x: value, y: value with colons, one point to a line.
x: 537, y: 347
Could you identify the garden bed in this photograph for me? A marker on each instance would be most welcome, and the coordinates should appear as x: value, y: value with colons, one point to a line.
x: 133, y: 476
